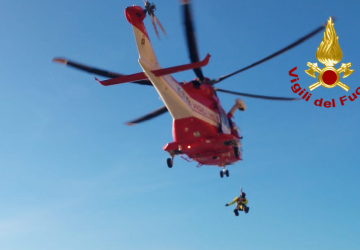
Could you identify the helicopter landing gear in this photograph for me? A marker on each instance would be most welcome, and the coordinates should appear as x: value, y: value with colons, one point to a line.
x: 224, y: 172
x: 170, y: 162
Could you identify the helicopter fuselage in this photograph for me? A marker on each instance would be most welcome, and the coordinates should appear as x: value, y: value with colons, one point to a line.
x: 201, y: 128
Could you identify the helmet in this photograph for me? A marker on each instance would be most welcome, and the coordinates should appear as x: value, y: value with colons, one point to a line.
x: 243, y: 194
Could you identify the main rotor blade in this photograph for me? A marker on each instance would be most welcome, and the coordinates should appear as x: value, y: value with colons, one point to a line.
x: 96, y: 71
x: 149, y: 116
x: 294, y: 44
x: 274, y: 98
x: 190, y: 38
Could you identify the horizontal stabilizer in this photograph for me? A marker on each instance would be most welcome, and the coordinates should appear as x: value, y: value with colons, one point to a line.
x: 171, y: 70
x: 123, y: 79
x: 158, y: 72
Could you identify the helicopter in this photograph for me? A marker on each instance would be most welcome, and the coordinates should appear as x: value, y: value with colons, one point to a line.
x: 202, y: 130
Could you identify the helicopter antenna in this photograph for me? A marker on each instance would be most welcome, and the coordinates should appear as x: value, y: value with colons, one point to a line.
x: 149, y: 9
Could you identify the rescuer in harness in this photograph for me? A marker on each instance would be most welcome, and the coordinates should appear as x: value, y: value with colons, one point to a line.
x: 241, y: 203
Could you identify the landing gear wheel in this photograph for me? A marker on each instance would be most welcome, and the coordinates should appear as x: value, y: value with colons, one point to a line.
x: 169, y: 162
x: 227, y: 173
x: 221, y: 174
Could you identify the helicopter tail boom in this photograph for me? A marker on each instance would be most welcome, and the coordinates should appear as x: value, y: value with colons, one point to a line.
x: 165, y: 85
x: 135, y: 16
x: 177, y: 101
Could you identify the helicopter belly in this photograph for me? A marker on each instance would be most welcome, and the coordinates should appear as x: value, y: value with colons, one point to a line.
x: 203, y: 143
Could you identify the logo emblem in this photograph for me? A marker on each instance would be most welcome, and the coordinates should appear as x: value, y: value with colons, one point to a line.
x: 329, y: 53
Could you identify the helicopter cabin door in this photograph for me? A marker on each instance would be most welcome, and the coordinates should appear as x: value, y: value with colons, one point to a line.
x: 225, y: 126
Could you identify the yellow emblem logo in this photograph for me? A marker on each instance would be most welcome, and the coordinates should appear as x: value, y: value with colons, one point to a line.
x: 329, y: 53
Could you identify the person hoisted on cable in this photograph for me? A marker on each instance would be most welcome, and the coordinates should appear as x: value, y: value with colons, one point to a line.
x: 241, y: 203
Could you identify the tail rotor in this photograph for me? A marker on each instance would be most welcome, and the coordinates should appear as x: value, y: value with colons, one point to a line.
x: 149, y: 9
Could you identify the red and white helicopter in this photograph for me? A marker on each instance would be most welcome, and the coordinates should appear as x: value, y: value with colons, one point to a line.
x: 202, y: 130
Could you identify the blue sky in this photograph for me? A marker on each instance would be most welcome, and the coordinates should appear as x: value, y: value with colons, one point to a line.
x: 73, y: 176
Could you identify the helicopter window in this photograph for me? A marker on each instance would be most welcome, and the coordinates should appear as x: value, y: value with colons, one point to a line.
x: 224, y: 119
